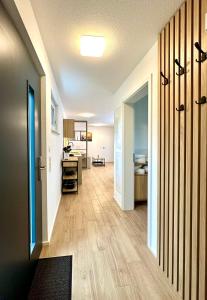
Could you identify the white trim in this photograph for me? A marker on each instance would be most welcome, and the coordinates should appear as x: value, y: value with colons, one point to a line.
x: 44, y: 142
x: 127, y: 157
x: 54, y: 220
x: 149, y: 82
x: 118, y: 198
x: 45, y: 243
x: 149, y: 212
x: 146, y: 70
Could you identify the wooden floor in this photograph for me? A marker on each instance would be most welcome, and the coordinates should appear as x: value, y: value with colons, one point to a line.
x: 110, y: 257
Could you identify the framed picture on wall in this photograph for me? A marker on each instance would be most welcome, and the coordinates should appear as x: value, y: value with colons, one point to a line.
x: 89, y: 136
x: 54, y: 115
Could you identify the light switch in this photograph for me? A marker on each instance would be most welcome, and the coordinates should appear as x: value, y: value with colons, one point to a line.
x: 206, y: 22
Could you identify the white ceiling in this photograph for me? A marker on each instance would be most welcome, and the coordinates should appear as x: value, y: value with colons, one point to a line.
x: 130, y: 28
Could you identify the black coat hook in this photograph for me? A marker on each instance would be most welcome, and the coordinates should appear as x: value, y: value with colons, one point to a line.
x: 202, y: 100
x: 181, y: 108
x: 165, y: 79
x: 181, y: 69
x: 203, y: 54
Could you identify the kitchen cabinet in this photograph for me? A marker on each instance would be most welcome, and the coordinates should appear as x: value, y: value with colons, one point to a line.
x: 68, y: 128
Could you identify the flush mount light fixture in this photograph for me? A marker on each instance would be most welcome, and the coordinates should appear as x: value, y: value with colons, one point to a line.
x: 86, y: 115
x: 98, y: 124
x: 92, y: 46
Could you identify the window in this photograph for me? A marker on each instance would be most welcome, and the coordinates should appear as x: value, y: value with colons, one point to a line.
x: 54, y: 115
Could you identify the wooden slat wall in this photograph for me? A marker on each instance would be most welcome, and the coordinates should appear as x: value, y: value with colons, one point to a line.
x: 159, y: 151
x: 195, y: 170
x: 162, y: 146
x: 188, y: 181
x: 176, y: 154
x: 171, y: 145
x: 182, y: 151
x: 166, y: 141
x: 203, y: 167
x: 182, y: 209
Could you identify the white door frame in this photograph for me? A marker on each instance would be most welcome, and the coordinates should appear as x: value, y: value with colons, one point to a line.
x: 128, y: 200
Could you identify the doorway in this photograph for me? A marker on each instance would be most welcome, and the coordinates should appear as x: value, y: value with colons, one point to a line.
x: 141, y: 148
x: 137, y: 151
x: 124, y: 175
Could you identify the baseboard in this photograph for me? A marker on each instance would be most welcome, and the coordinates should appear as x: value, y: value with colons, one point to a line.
x: 45, y: 243
x: 54, y: 220
x: 117, y: 198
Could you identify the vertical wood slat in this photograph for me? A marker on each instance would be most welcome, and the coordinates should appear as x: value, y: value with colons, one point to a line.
x: 203, y: 167
x: 188, y: 183
x: 166, y: 141
x: 159, y: 151
x: 162, y: 177
x: 176, y: 156
x: 182, y: 151
x: 195, y: 171
x: 171, y: 147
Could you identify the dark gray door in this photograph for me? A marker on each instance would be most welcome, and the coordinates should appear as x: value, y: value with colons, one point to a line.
x: 34, y: 171
x: 17, y: 72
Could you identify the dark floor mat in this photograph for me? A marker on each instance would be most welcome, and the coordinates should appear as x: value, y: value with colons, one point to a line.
x: 52, y: 279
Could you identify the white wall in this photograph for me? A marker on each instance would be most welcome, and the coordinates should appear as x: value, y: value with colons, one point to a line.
x: 147, y: 68
x: 51, y: 142
x: 102, y: 142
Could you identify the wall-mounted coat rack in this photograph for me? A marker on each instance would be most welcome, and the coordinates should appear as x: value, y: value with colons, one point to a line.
x: 181, y: 69
x: 203, y: 55
x: 202, y: 100
x: 182, y: 206
x: 166, y: 81
x: 181, y: 107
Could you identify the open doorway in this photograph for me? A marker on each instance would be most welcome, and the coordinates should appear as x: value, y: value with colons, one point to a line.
x: 141, y: 148
x: 136, y: 152
x: 137, y: 148
x: 124, y: 148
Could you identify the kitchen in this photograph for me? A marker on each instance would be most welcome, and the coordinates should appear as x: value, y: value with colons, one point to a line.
x: 75, y: 154
x: 85, y: 145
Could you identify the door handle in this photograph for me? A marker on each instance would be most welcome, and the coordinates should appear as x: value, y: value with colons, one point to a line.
x: 39, y: 172
x: 43, y: 168
x: 40, y: 167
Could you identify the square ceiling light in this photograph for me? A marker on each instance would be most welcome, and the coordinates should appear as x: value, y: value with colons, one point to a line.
x: 97, y: 124
x: 92, y: 46
x: 86, y: 115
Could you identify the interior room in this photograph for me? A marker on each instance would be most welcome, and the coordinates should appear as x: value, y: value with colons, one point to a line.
x: 102, y: 143
x: 103, y: 153
x: 141, y: 150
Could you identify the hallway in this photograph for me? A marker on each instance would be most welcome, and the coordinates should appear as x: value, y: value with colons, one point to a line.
x: 110, y: 257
